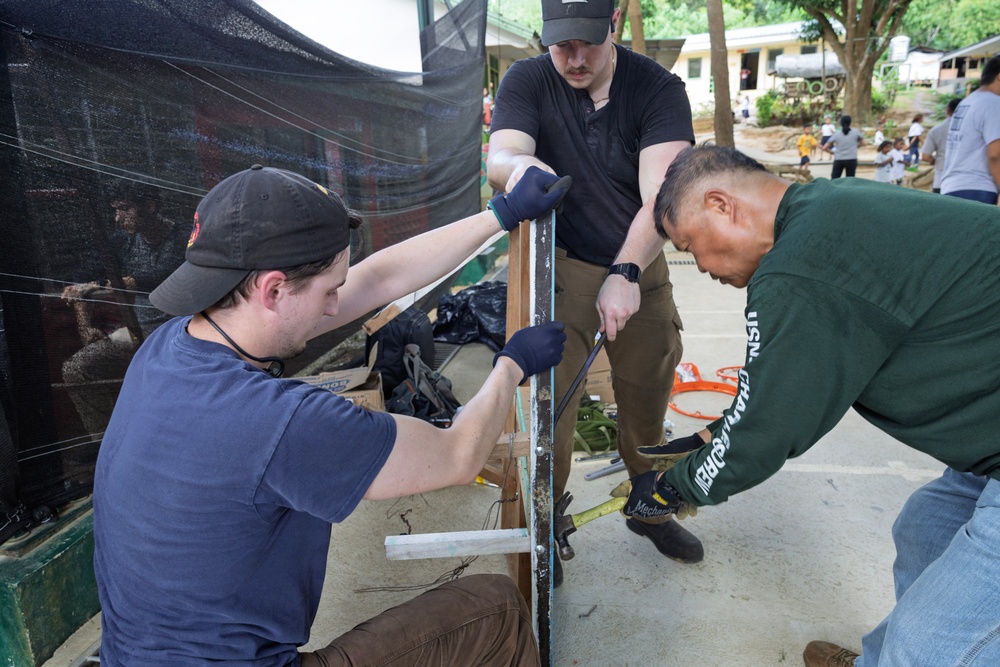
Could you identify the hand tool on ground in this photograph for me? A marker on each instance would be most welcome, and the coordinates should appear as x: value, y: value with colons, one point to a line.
x: 615, y: 466
x: 566, y: 525
x: 596, y: 457
x: 579, y: 377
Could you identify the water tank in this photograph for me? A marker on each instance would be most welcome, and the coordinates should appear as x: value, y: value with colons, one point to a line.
x: 899, y: 46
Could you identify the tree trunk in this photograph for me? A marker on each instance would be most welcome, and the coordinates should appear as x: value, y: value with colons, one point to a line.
x: 620, y: 28
x: 720, y: 75
x: 635, y: 23
x: 867, y: 31
x: 858, y: 94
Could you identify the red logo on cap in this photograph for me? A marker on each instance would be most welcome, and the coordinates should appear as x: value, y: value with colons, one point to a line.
x: 194, y: 232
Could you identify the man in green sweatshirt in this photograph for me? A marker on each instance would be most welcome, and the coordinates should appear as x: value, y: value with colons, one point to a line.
x: 880, y: 293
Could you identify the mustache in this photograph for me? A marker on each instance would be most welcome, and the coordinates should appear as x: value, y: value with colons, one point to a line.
x: 578, y: 70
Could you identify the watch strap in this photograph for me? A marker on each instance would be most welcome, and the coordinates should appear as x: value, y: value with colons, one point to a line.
x: 629, y: 271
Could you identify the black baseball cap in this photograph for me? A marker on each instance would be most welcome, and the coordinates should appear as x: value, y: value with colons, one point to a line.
x: 258, y: 219
x: 588, y: 20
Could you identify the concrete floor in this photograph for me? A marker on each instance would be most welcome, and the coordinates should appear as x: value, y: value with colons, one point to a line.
x: 806, y: 555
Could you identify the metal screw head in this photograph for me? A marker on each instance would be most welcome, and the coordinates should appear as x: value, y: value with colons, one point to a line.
x: 539, y: 451
x: 539, y: 549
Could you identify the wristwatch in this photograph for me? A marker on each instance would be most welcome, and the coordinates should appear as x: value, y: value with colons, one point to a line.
x: 630, y: 271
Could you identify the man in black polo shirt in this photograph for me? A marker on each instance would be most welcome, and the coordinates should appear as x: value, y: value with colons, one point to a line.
x: 613, y: 120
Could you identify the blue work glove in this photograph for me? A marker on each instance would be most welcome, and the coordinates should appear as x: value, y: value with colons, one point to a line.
x: 651, y: 497
x: 535, y: 349
x: 666, y: 455
x: 537, y: 193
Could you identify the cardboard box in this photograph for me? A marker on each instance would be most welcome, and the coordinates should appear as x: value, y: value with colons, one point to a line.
x: 362, y: 386
x: 599, y: 379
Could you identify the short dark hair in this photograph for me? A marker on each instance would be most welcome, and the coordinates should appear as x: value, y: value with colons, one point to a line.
x: 953, y: 104
x: 990, y: 70
x: 884, y: 144
x: 690, y: 166
x: 134, y: 194
x: 297, y: 276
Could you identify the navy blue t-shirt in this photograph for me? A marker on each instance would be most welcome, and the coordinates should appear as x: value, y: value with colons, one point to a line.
x: 215, y: 488
x: 599, y: 149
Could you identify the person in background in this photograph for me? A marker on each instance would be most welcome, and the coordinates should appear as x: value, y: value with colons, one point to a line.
x: 844, y: 146
x: 826, y: 131
x: 879, y: 132
x: 883, y: 162
x: 898, y: 167
x: 840, y: 286
x: 745, y: 108
x: 972, y: 164
x: 217, y: 481
x: 807, y: 144
x: 146, y: 247
x: 613, y: 120
x: 913, y: 136
x: 487, y: 107
x: 936, y: 146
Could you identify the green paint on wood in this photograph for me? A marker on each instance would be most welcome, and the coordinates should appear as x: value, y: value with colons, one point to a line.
x: 47, y: 594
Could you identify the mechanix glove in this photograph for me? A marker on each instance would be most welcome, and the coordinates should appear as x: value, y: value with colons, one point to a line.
x: 649, y: 496
x: 665, y: 456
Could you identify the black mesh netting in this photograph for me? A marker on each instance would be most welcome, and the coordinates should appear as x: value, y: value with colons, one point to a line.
x: 116, y: 116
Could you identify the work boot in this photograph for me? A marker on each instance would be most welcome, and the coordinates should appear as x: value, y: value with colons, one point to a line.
x: 556, y: 571
x: 825, y: 654
x: 671, y: 539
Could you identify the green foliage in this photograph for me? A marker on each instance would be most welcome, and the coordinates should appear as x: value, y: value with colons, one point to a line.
x: 951, y: 24
x: 795, y: 112
x: 880, y: 101
x: 765, y: 107
x: 664, y: 20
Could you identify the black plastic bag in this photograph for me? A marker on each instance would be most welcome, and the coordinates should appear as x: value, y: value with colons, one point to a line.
x: 476, y: 314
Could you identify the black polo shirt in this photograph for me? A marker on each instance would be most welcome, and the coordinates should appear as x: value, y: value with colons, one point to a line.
x: 599, y: 149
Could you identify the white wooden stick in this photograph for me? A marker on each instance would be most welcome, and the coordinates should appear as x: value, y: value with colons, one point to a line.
x: 467, y: 543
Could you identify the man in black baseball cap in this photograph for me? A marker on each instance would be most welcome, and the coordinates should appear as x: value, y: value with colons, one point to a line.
x: 613, y: 120
x: 585, y: 20
x: 217, y: 482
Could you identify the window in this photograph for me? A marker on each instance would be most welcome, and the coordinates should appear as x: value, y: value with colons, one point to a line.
x: 772, y: 58
x: 694, y: 68
x: 808, y: 48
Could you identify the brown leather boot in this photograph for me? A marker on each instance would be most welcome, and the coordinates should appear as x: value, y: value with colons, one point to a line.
x: 825, y: 654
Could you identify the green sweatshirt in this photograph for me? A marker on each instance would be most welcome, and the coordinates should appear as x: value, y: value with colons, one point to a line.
x: 874, y: 297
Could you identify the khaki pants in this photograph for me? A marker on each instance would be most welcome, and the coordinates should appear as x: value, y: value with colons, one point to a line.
x: 643, y: 358
x: 476, y: 620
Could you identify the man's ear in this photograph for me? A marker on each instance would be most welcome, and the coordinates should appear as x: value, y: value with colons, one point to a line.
x: 271, y: 288
x: 718, y: 201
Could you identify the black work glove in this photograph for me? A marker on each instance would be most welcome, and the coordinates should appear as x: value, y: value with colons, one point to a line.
x: 537, y: 193
x: 666, y: 455
x: 651, y: 497
x: 535, y: 349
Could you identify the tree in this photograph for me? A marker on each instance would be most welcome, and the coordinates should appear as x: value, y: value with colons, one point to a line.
x: 868, y: 25
x: 720, y: 75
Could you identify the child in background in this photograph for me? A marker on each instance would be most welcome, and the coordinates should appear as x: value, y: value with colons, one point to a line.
x: 883, y: 162
x: 806, y: 144
x: 826, y: 130
x: 898, y: 161
x: 879, y: 135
